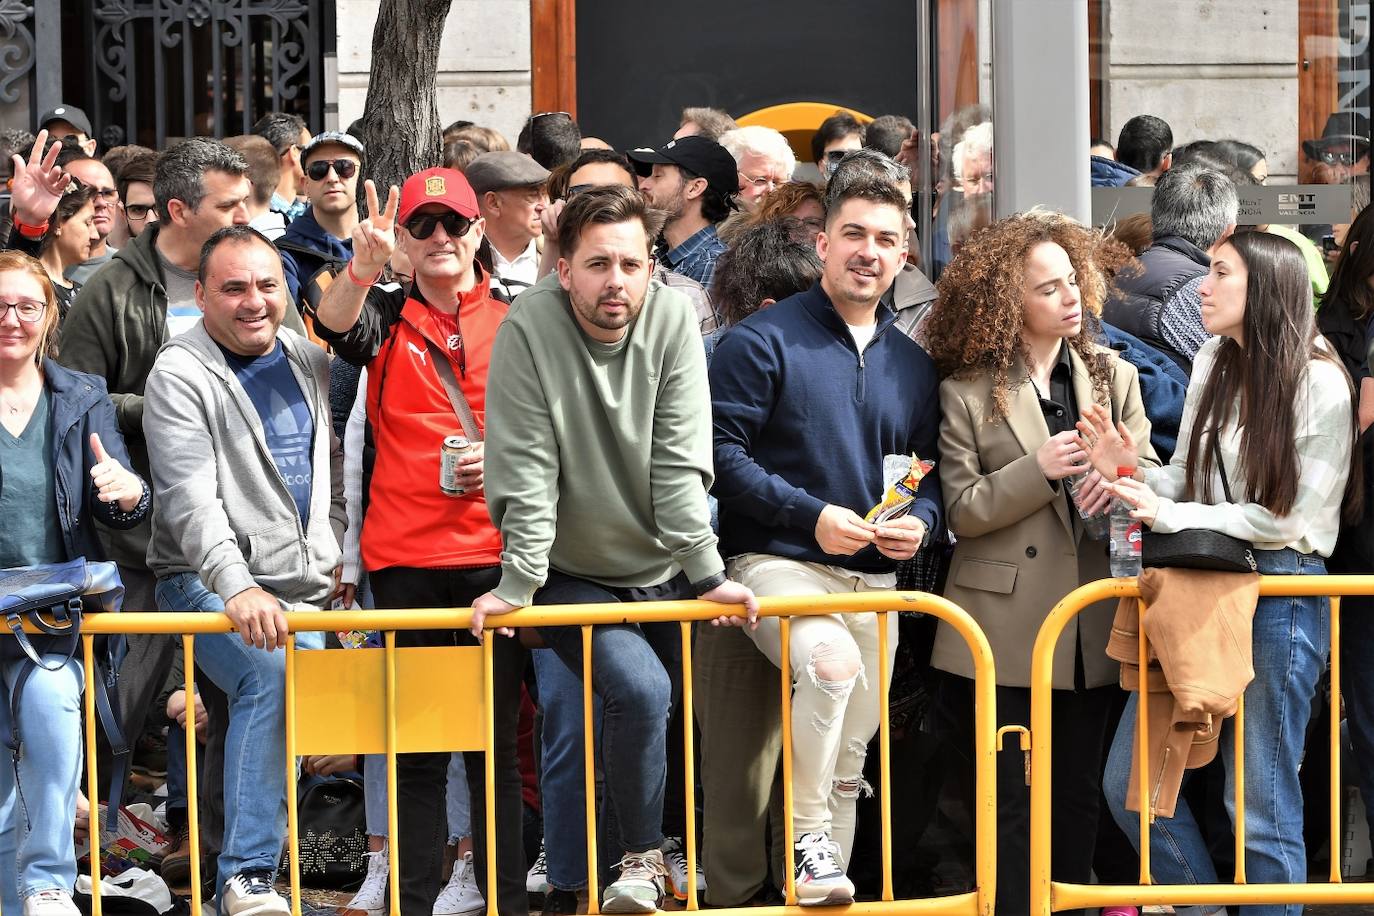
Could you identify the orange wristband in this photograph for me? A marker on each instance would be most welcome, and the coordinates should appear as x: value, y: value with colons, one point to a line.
x: 31, y: 232
x: 353, y: 278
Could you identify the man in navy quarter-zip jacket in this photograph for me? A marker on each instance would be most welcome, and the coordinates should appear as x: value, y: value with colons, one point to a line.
x: 808, y: 396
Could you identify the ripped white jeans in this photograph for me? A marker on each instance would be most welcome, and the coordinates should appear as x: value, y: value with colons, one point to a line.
x: 835, y: 699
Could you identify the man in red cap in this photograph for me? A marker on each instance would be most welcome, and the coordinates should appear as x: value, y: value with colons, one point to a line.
x: 422, y: 546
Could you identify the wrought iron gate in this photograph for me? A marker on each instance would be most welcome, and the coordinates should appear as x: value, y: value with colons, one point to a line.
x: 150, y: 70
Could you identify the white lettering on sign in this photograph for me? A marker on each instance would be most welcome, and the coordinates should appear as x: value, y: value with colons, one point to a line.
x: 1353, y: 76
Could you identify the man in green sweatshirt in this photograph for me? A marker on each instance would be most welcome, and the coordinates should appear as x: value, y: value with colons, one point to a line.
x: 598, y: 459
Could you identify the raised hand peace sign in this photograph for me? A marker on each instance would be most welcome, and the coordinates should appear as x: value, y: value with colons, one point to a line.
x: 374, y: 239
x: 38, y: 183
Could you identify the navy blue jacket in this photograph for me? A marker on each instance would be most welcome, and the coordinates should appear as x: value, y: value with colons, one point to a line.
x: 305, y: 248
x: 1108, y: 173
x: 80, y: 406
x: 802, y: 420
x: 1162, y: 387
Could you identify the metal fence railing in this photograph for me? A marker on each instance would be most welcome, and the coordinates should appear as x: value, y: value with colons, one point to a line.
x: 399, y: 700
x: 1049, y: 896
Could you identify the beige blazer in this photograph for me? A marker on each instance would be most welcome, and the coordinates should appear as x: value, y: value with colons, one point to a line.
x: 1020, y: 549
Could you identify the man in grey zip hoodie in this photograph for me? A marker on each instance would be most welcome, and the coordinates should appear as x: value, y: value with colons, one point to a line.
x: 249, y: 484
x: 114, y: 329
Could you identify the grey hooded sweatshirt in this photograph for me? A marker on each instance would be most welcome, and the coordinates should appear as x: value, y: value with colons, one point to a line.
x: 223, y: 510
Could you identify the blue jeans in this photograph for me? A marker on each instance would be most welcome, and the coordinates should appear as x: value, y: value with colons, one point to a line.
x: 635, y: 672
x: 1290, y: 648
x: 255, y: 749
x: 458, y: 804
x: 36, y: 813
x: 562, y: 785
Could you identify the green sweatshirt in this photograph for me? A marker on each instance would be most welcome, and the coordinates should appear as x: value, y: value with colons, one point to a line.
x: 598, y: 456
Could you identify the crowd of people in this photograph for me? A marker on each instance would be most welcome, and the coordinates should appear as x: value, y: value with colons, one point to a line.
x: 260, y: 384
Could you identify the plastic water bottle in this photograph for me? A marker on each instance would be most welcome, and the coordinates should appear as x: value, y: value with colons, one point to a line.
x: 1096, y: 527
x: 1125, y: 535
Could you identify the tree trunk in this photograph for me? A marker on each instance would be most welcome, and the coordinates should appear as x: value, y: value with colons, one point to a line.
x: 400, y: 119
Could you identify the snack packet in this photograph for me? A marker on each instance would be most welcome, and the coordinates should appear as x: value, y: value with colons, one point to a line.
x: 901, y: 491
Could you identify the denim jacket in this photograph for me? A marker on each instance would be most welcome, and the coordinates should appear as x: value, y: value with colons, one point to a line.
x: 81, y: 406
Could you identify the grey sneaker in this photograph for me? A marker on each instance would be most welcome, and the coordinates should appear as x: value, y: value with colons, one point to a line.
x: 639, y: 889
x: 675, y: 858
x: 820, y: 881
x: 250, y: 893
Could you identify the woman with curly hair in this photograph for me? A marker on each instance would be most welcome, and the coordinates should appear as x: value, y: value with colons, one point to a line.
x: 1014, y: 340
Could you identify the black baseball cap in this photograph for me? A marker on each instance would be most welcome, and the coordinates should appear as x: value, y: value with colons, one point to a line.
x: 697, y: 155
x: 69, y: 113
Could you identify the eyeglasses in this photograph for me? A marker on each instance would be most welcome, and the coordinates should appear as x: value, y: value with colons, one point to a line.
x: 422, y: 227
x: 1337, y: 156
x: 576, y: 190
x: 344, y: 168
x: 835, y: 155
x: 761, y: 182
x: 137, y: 213
x: 28, y: 310
x: 108, y: 195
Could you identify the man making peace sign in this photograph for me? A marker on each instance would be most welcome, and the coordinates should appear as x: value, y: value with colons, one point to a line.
x: 422, y: 546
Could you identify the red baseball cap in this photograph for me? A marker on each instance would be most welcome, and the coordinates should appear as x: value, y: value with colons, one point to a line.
x: 437, y: 186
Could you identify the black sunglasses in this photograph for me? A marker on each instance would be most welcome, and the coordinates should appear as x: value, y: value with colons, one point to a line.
x: 422, y: 226
x: 344, y: 168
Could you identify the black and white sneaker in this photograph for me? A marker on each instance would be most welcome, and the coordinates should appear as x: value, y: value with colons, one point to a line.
x: 820, y: 881
x: 250, y: 893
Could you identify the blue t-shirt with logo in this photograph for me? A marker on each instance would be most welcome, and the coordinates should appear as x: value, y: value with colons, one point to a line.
x: 285, y: 416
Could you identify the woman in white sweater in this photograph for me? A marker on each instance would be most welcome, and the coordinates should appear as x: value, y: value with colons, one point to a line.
x: 1279, y: 405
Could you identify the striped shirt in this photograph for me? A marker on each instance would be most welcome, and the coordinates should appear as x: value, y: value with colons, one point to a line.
x: 1325, y: 437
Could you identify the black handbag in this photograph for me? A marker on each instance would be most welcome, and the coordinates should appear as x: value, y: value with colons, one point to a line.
x: 333, y: 837
x: 1199, y: 548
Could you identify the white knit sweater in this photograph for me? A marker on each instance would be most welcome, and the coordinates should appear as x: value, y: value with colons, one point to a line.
x: 1325, y: 440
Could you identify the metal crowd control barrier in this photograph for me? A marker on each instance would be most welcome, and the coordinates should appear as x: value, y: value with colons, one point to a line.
x: 400, y: 700
x: 1049, y: 896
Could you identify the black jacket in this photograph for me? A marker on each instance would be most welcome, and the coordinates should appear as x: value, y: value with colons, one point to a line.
x: 1136, y: 303
x: 1354, y: 553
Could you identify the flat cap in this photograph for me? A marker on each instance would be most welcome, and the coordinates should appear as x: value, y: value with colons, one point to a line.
x: 503, y: 169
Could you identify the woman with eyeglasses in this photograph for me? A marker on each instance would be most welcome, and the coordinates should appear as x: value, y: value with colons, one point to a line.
x: 71, y: 233
x: 63, y: 467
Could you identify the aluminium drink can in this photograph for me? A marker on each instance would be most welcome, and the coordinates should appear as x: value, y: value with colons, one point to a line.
x: 454, y: 447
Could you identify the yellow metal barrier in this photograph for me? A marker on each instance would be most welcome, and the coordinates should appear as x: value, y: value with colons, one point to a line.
x: 1049, y: 896
x: 399, y: 701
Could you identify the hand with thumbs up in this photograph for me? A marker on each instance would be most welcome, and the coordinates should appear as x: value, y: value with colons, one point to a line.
x: 374, y: 239
x: 113, y: 482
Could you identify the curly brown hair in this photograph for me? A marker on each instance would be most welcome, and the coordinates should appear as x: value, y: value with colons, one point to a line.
x: 976, y: 327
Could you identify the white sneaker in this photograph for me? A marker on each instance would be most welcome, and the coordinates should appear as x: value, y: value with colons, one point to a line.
x: 52, y: 902
x: 371, y: 896
x: 537, y: 881
x: 820, y: 881
x: 675, y: 858
x: 639, y: 889
x: 250, y: 893
x: 460, y: 895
